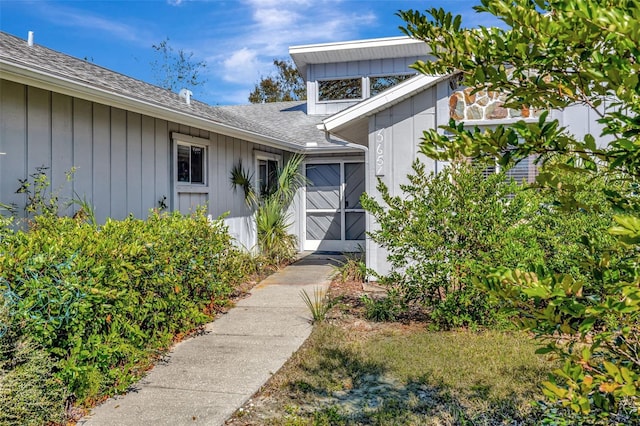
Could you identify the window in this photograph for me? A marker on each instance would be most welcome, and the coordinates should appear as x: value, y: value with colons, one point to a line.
x: 267, y: 176
x: 381, y: 83
x: 524, y: 171
x: 191, y: 163
x: 345, y: 89
x: 267, y: 165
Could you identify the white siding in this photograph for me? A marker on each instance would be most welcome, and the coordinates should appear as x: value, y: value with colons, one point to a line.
x: 401, y: 126
x: 123, y: 160
x: 582, y: 120
x: 353, y: 69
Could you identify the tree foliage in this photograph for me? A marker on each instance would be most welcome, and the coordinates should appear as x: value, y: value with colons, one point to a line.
x: 286, y: 84
x: 443, y: 227
x: 175, y: 70
x: 550, y: 55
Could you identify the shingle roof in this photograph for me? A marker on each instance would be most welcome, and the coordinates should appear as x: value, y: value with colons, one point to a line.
x: 284, y: 122
x: 287, y: 121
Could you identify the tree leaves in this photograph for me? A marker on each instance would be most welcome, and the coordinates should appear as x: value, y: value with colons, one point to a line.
x: 286, y: 84
x: 560, y: 53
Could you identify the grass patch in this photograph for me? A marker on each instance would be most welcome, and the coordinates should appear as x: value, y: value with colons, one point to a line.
x: 365, y: 373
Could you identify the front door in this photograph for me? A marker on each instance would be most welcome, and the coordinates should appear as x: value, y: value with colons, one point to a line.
x: 335, y: 220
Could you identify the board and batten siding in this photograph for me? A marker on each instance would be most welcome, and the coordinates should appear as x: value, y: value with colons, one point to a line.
x: 355, y: 69
x: 122, y: 160
x: 397, y: 131
x: 400, y: 127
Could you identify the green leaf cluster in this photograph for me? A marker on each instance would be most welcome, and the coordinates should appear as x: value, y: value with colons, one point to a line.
x: 445, y: 228
x: 272, y: 215
x: 102, y: 302
x: 553, y: 55
x: 285, y: 84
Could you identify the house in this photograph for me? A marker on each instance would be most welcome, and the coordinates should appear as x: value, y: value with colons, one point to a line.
x: 135, y: 146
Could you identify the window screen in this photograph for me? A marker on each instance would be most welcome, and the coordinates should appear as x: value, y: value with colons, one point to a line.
x: 379, y: 84
x: 191, y: 163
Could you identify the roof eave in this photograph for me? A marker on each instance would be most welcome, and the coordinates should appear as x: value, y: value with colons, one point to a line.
x: 22, y: 74
x: 300, y: 53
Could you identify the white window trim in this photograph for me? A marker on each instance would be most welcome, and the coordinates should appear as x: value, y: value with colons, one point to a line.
x: 266, y: 156
x: 363, y: 87
x: 181, y: 139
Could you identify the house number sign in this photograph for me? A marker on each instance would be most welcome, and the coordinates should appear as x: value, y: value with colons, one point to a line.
x: 379, y: 147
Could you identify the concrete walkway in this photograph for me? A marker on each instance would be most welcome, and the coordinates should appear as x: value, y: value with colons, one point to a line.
x: 206, y: 378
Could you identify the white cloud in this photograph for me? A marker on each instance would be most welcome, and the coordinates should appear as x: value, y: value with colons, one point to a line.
x: 242, y: 66
x: 275, y: 18
x: 242, y: 59
x: 174, y: 2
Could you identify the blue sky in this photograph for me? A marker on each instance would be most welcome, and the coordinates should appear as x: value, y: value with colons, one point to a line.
x: 237, y: 39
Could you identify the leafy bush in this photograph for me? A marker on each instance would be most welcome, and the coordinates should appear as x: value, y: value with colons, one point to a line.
x: 537, y: 59
x: 276, y: 244
x: 353, y: 268
x: 445, y: 228
x: 103, y: 301
x: 387, y: 308
x: 439, y: 232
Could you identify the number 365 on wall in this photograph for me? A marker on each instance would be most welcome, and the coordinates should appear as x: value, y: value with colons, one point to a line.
x: 379, y: 147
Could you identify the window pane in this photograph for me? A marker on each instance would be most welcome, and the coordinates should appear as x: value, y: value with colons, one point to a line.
x: 355, y: 228
x: 331, y: 90
x: 272, y: 174
x: 354, y: 185
x: 525, y: 170
x: 267, y: 176
x: 183, y: 163
x: 197, y: 164
x: 378, y: 84
x: 323, y: 226
x: 323, y: 190
x: 262, y: 176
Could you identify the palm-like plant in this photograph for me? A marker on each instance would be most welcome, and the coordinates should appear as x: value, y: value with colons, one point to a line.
x: 272, y: 218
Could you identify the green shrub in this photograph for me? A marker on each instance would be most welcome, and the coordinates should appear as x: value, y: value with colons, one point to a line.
x: 387, y: 308
x: 276, y: 245
x: 444, y: 229
x: 353, y: 268
x: 318, y: 305
x: 103, y: 301
x: 439, y: 232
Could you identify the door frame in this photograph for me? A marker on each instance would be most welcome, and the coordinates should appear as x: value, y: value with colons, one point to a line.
x: 342, y: 245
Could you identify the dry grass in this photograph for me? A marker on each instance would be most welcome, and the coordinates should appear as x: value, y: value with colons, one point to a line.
x: 355, y: 372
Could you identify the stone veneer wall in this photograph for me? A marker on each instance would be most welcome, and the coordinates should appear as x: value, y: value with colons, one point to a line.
x: 484, y: 105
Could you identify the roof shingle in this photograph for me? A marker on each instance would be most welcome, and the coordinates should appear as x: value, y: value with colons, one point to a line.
x: 286, y: 122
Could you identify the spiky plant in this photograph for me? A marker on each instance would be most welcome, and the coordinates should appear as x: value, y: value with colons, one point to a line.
x: 272, y: 218
x: 240, y: 177
x: 318, y: 306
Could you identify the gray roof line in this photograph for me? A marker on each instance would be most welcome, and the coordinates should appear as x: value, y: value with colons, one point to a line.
x: 285, y: 124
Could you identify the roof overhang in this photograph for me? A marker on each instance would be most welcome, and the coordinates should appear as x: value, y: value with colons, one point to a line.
x: 358, y: 50
x: 37, y: 78
x: 351, y: 124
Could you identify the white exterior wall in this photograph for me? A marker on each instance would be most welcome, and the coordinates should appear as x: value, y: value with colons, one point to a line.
x: 356, y: 69
x: 582, y: 120
x: 123, y: 160
x: 400, y: 129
